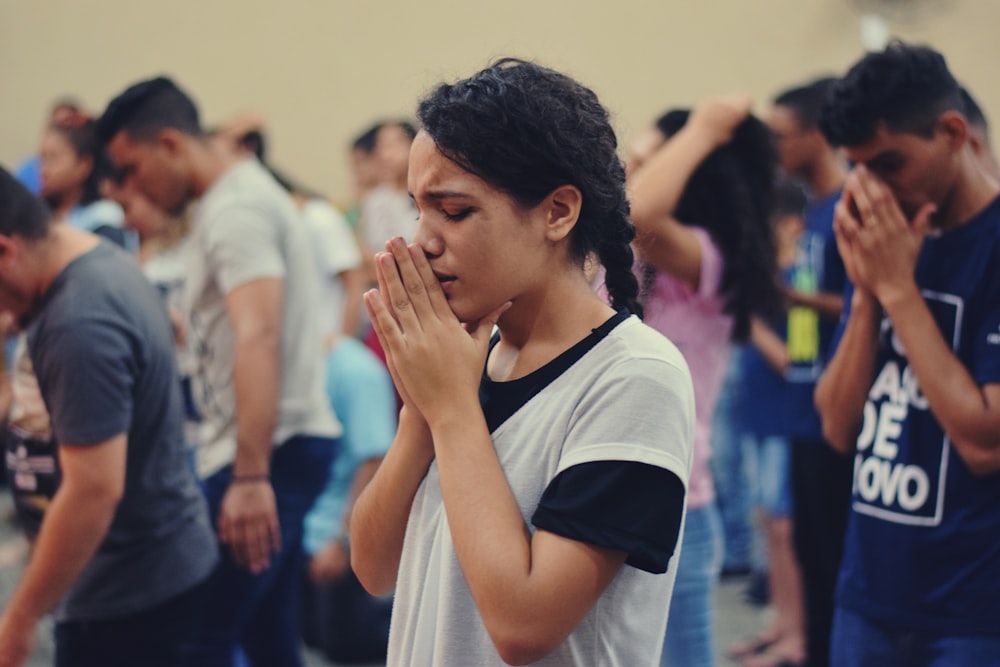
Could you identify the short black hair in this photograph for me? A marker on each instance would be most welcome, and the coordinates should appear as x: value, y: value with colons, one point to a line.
x: 972, y: 111
x: 406, y: 126
x: 906, y: 87
x: 806, y: 101
x: 365, y: 142
x: 147, y: 107
x: 21, y: 213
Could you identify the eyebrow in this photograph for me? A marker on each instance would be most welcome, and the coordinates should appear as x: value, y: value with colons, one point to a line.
x: 444, y: 194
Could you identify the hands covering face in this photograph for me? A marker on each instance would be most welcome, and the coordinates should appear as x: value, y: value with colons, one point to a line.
x: 878, y: 245
x: 436, y: 362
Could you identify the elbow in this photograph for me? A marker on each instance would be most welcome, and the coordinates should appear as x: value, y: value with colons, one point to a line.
x: 521, y: 646
x: 376, y: 580
x: 981, y: 458
x: 839, y: 440
x: 841, y: 434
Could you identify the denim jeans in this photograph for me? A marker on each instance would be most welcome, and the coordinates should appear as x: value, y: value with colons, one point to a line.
x: 729, y: 469
x: 151, y: 637
x: 860, y: 642
x: 256, y: 616
x: 690, y: 635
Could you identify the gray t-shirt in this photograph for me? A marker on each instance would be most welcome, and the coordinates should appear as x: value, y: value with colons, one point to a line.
x: 103, y: 352
x: 628, y: 399
x: 246, y: 228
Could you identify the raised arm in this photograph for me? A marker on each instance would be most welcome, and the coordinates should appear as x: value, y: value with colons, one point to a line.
x: 657, y: 187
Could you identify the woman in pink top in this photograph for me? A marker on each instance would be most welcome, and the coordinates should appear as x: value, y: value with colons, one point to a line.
x: 701, y: 203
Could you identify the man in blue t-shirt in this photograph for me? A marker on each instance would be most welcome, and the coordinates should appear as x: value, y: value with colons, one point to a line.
x: 913, y: 391
x: 821, y: 477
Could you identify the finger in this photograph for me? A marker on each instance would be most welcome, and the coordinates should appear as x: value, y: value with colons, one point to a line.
x: 438, y: 300
x: 386, y: 328
x: 383, y: 286
x: 859, y: 195
x: 884, y: 205
x: 922, y: 221
x: 844, y: 221
x: 483, y: 329
x: 258, y: 543
x: 396, y: 295
x: 413, y: 281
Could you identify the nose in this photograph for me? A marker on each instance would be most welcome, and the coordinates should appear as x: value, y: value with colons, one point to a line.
x: 428, y: 239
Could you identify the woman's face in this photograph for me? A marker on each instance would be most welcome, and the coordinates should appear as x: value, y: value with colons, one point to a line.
x: 140, y: 214
x: 62, y: 170
x: 484, y: 248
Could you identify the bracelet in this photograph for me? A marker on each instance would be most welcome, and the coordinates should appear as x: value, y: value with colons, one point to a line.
x: 250, y: 479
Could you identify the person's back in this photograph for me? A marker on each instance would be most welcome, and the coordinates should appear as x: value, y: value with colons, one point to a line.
x: 101, y: 305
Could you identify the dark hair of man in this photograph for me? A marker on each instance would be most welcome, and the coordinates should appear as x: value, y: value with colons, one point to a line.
x: 81, y: 134
x: 730, y: 195
x: 906, y: 87
x: 789, y: 199
x: 527, y: 130
x: 365, y: 142
x: 806, y: 101
x: 21, y: 213
x: 973, y: 112
x: 254, y: 142
x: 405, y: 125
x: 146, y: 108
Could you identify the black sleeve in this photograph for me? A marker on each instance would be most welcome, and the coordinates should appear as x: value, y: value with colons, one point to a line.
x: 114, y: 234
x: 625, y: 505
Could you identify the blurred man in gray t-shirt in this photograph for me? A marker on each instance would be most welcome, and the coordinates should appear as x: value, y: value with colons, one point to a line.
x: 126, y: 542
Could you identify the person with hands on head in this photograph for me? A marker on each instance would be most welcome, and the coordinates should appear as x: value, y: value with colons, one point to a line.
x: 913, y: 390
x: 529, y: 509
x: 701, y: 206
x: 268, y: 434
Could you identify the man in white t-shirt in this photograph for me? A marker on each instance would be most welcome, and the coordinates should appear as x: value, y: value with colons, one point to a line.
x: 268, y: 434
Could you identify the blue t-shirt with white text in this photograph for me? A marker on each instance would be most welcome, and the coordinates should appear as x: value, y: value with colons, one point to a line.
x: 923, y: 543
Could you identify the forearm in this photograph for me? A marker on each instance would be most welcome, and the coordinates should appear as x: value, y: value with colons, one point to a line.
x: 843, y: 389
x: 955, y: 398
x: 74, y: 527
x: 656, y: 188
x: 380, y: 514
x: 256, y: 385
x: 828, y: 305
x: 497, y: 561
x: 770, y: 345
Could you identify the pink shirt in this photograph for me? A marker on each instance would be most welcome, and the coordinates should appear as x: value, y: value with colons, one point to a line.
x: 695, y: 322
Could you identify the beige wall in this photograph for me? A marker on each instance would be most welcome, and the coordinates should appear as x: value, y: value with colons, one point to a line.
x: 321, y: 70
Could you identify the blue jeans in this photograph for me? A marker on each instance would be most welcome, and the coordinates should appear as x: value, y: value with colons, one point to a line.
x: 258, y: 614
x: 860, y: 642
x: 728, y: 468
x: 690, y: 632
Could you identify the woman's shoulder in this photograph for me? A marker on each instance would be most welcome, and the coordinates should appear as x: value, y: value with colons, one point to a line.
x: 638, y: 345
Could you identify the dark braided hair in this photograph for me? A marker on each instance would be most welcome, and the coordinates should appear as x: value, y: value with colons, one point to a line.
x: 730, y: 196
x: 527, y: 130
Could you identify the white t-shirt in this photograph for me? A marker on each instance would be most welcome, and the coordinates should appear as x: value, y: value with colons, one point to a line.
x: 628, y: 399
x: 246, y: 228
x: 386, y: 213
x: 335, y: 251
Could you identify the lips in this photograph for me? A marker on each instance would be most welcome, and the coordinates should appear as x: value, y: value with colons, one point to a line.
x: 445, y: 280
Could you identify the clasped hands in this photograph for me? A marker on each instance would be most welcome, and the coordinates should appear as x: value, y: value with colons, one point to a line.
x: 435, y: 360
x: 878, y: 245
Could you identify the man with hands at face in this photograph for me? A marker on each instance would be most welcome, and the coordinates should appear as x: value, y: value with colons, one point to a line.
x: 913, y: 391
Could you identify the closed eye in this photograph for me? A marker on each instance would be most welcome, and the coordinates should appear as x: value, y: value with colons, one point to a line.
x: 458, y: 215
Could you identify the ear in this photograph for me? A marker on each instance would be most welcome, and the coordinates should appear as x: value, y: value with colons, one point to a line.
x: 172, y: 140
x: 562, y: 208
x: 955, y: 128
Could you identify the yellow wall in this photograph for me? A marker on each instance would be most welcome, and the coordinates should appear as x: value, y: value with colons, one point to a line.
x: 321, y: 70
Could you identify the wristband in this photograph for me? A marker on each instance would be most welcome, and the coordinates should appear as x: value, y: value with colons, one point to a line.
x: 250, y: 479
